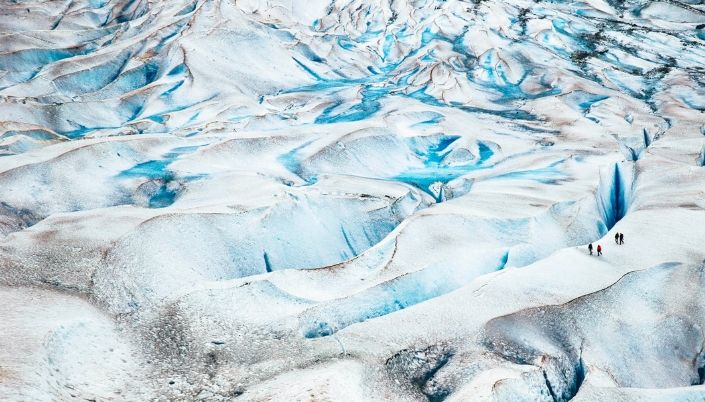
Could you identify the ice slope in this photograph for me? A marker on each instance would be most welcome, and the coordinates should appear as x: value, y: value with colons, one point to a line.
x: 57, y: 346
x: 351, y: 200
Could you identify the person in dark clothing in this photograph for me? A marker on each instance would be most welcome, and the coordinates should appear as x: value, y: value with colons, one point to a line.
x: 599, y: 250
x: 590, y: 248
x: 621, y: 238
x: 616, y: 237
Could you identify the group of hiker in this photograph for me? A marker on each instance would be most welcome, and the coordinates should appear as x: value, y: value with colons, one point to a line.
x: 618, y: 238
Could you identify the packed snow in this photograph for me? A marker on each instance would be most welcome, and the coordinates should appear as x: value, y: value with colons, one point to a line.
x: 349, y: 200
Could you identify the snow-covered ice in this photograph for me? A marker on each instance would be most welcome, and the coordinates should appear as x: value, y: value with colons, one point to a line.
x: 351, y: 200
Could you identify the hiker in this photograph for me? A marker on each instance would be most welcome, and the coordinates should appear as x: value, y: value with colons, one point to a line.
x: 590, y: 248
x: 599, y: 250
x: 616, y: 238
x: 621, y: 238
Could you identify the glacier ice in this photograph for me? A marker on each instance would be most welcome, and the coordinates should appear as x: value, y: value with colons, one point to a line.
x: 351, y: 200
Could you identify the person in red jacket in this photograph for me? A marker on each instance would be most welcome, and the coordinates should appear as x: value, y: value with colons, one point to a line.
x: 599, y: 250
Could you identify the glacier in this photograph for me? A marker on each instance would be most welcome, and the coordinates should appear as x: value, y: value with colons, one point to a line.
x: 348, y: 200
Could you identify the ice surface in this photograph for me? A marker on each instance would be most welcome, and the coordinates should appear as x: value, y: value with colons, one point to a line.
x: 351, y: 200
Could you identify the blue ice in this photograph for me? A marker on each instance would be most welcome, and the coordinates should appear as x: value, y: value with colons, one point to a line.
x: 158, y: 170
x: 435, y: 171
